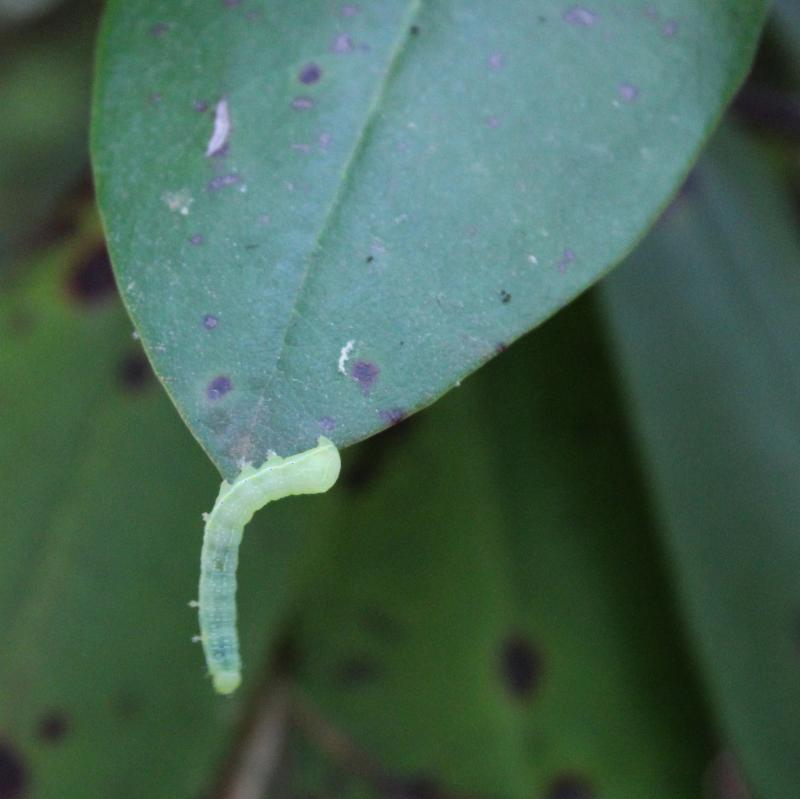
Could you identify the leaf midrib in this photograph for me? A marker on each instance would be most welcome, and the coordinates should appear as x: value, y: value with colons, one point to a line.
x: 412, y: 11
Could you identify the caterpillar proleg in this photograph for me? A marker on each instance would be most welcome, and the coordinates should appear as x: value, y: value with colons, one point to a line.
x: 311, y: 472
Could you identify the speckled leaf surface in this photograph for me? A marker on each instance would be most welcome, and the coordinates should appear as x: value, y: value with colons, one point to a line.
x: 323, y: 215
x: 102, y: 693
x: 491, y: 621
x: 707, y: 323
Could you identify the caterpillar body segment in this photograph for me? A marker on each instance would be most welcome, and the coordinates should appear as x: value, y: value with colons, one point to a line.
x: 311, y: 472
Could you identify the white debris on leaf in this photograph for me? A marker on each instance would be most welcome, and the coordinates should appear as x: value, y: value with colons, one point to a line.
x: 222, y: 129
x: 344, y: 355
x: 178, y: 200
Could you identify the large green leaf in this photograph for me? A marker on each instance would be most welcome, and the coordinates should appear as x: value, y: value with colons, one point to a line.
x: 393, y: 191
x: 707, y: 324
x: 491, y: 620
x: 102, y: 693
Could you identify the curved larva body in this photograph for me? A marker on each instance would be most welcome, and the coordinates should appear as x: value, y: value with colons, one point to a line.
x: 310, y: 472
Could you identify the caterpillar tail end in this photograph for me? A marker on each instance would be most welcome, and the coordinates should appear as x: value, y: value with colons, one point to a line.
x: 226, y: 682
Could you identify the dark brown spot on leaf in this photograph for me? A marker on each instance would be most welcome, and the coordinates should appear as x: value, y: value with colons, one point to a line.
x: 357, y: 671
x: 90, y: 281
x: 379, y: 624
x: 505, y: 297
x: 57, y: 227
x: 521, y: 666
x: 368, y: 460
x: 413, y: 788
x: 126, y: 705
x: 135, y: 372
x: 53, y: 726
x: 13, y: 773
x: 570, y: 786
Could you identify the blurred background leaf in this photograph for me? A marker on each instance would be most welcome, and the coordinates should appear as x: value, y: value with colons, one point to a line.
x: 45, y: 79
x: 706, y: 319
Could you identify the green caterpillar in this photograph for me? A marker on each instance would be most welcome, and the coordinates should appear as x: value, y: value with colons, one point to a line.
x: 310, y: 472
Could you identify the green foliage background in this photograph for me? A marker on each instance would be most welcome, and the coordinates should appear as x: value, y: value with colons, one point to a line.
x: 576, y: 576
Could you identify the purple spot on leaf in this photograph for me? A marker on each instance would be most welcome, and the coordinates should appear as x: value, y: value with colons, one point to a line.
x: 218, y: 387
x: 392, y: 415
x: 210, y: 321
x: 197, y: 239
x: 343, y: 43
x: 221, y: 181
x: 302, y: 103
x: 159, y: 29
x: 496, y: 61
x: 327, y: 424
x: 670, y: 28
x: 365, y: 374
x: 578, y: 15
x: 493, y: 122
x: 566, y: 259
x: 628, y: 92
x: 310, y: 73
x: 325, y: 140
x: 201, y: 106
x: 350, y: 10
